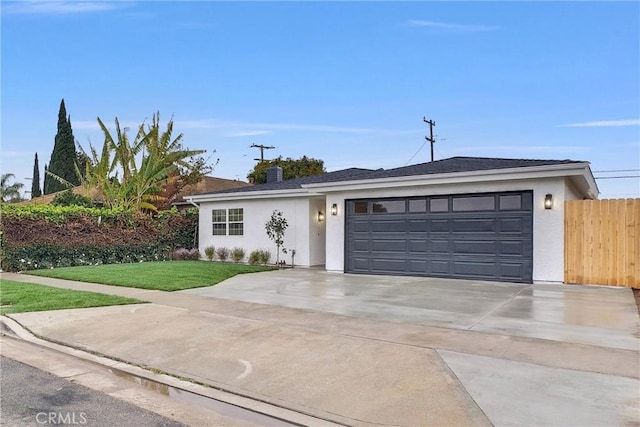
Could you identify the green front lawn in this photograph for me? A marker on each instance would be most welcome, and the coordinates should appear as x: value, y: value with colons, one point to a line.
x: 162, y: 276
x: 19, y: 297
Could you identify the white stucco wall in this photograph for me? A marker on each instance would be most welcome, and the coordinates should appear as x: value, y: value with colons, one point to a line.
x: 317, y: 232
x: 303, y: 233
x: 548, y: 225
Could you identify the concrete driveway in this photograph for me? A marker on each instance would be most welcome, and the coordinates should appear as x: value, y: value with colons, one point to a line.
x: 594, y: 315
x: 374, y: 350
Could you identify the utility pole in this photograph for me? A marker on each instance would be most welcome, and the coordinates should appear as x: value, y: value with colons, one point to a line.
x: 430, y: 138
x: 262, y: 148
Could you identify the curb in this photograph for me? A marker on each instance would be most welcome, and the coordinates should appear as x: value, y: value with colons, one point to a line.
x: 12, y: 329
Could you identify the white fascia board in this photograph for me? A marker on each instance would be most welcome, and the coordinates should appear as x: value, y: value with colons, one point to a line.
x: 535, y: 172
x: 250, y: 195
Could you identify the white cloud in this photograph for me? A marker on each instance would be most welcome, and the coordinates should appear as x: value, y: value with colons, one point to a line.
x: 516, y: 150
x: 14, y: 154
x: 244, y: 127
x: 60, y: 7
x: 451, y: 27
x: 248, y: 133
x: 603, y: 123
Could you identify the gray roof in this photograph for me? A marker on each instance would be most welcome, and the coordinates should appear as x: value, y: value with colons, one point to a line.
x: 450, y: 165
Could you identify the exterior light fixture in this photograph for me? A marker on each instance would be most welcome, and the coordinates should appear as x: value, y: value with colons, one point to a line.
x: 320, y: 216
x: 548, y: 201
x: 334, y: 209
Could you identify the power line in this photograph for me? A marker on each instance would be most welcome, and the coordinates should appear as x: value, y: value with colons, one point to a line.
x: 621, y: 170
x: 617, y: 177
x: 416, y: 153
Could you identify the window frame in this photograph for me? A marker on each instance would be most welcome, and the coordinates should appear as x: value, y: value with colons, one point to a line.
x: 227, y: 222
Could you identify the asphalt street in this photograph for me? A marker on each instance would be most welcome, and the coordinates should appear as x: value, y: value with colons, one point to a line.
x: 31, y: 397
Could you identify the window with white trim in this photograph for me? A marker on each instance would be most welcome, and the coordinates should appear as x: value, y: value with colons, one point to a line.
x: 227, y: 222
x: 236, y: 222
x: 219, y: 219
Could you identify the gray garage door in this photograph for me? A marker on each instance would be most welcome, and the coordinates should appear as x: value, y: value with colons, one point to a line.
x: 475, y: 236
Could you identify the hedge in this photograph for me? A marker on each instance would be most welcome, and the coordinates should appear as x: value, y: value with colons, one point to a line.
x: 45, y: 236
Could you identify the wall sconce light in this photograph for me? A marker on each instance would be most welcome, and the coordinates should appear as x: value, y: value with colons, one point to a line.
x: 320, y: 216
x: 334, y: 209
x: 548, y: 201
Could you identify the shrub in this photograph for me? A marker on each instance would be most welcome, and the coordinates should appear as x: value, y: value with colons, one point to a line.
x: 254, y: 257
x: 186, y: 254
x: 264, y: 257
x: 210, y: 252
x: 69, y: 198
x: 237, y: 254
x: 45, y: 236
x: 223, y: 253
x: 53, y: 256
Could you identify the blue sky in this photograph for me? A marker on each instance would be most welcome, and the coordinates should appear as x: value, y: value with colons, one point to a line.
x: 346, y: 82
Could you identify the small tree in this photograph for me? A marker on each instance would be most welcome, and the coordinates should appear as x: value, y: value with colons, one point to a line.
x: 36, y: 190
x: 276, y: 227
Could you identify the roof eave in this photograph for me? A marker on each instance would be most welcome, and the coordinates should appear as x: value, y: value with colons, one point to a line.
x: 531, y: 172
x: 247, y: 195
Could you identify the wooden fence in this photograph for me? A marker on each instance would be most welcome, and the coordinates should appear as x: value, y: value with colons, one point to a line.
x: 602, y: 242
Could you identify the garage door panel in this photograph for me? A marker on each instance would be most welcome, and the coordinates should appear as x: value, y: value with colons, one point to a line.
x: 514, y: 247
x: 418, y: 245
x: 439, y: 226
x: 388, y: 245
x: 474, y: 225
x: 488, y: 269
x: 477, y: 242
x: 438, y: 246
x: 361, y: 245
x: 388, y: 226
x: 388, y: 265
x: 361, y: 264
x: 512, y: 271
x: 418, y: 226
x: 475, y: 247
x: 418, y: 266
x: 360, y: 226
x: 440, y: 267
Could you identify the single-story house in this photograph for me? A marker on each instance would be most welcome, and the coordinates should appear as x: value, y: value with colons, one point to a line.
x: 461, y: 217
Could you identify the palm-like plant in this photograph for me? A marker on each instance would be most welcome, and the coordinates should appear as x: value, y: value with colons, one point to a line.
x: 10, y: 192
x: 141, y: 186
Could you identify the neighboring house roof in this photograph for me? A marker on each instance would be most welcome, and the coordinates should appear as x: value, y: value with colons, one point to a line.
x: 46, y: 199
x: 209, y: 184
x: 446, y: 166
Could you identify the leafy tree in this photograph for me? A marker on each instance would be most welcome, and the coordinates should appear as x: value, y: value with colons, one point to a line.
x: 36, y: 191
x: 189, y: 170
x: 10, y: 192
x: 63, y: 161
x: 275, y: 227
x: 291, y: 168
x: 143, y: 183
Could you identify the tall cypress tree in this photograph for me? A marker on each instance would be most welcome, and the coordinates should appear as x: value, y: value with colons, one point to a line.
x: 46, y: 177
x: 35, y: 180
x: 63, y: 158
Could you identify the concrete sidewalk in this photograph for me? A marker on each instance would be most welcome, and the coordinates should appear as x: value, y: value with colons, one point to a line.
x: 354, y: 370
